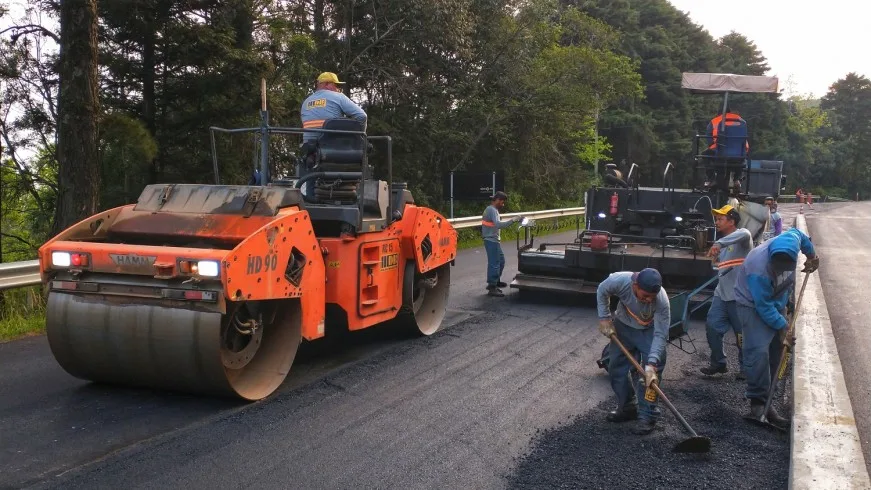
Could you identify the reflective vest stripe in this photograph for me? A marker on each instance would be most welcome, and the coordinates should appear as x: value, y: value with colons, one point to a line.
x: 314, y: 123
x: 640, y: 322
x: 730, y: 263
x: 487, y: 223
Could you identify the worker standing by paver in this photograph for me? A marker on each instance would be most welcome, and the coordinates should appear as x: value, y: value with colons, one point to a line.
x: 762, y: 291
x: 490, y: 227
x: 776, y: 220
x: 641, y: 323
x: 729, y: 252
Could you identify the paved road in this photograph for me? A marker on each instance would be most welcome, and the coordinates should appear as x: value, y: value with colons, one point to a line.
x: 51, y: 422
x: 841, y: 233
x: 474, y: 406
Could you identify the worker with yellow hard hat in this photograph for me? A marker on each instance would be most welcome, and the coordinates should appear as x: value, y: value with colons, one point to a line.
x: 729, y: 252
x: 328, y: 102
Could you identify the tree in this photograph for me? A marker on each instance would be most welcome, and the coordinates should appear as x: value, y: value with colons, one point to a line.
x: 78, y: 109
x: 848, y: 104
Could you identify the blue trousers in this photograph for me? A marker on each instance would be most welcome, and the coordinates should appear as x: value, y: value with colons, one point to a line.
x: 723, y: 316
x: 627, y: 384
x: 762, y: 349
x: 495, y: 262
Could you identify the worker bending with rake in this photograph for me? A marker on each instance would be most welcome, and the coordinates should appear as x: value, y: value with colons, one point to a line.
x: 640, y: 323
x: 762, y: 290
x: 730, y: 252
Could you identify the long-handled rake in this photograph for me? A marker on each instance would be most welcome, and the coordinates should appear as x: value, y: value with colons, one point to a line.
x: 694, y: 444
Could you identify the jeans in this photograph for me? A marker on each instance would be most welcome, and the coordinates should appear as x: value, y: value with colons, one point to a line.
x: 762, y: 349
x: 722, y: 316
x: 624, y: 378
x: 495, y: 262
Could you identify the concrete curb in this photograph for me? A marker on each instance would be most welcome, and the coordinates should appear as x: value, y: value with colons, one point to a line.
x: 826, y: 451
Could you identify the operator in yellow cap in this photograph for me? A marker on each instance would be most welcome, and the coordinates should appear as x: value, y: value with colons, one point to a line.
x: 729, y: 253
x: 327, y: 102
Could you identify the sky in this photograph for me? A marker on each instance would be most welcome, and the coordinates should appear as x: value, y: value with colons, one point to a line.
x: 814, y: 42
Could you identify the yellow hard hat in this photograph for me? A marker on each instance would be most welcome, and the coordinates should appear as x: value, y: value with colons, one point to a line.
x: 329, y: 77
x: 723, y: 211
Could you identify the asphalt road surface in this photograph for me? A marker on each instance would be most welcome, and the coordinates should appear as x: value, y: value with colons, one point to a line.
x: 841, y: 233
x: 508, y: 395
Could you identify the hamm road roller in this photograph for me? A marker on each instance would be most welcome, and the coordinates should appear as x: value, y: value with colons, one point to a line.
x: 210, y: 289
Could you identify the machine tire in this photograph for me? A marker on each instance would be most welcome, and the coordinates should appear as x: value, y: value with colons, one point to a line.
x: 423, y: 309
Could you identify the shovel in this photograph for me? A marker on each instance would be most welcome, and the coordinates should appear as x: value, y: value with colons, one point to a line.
x: 781, y: 366
x: 696, y: 443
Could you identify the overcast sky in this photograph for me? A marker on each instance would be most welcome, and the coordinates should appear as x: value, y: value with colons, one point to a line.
x: 816, y: 42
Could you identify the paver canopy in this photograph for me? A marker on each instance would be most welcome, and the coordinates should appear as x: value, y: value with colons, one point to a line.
x: 725, y: 82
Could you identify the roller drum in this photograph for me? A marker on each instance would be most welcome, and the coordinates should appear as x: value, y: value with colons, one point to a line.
x: 151, y: 345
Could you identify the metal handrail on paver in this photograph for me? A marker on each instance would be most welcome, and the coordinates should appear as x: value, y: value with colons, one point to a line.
x: 26, y: 273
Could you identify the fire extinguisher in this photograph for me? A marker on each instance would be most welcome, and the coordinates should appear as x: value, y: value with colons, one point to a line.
x: 614, y: 201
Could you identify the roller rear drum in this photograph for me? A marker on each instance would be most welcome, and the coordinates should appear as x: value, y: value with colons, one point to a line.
x: 245, y: 353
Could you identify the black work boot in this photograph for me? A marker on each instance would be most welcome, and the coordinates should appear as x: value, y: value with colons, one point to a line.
x: 622, y: 415
x: 757, y: 407
x: 496, y: 292
x: 501, y: 284
x: 776, y: 419
x: 711, y: 370
x: 644, y: 427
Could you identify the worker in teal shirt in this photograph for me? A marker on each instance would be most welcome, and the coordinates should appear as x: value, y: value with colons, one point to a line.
x: 762, y: 291
x: 729, y: 252
x: 640, y: 322
x: 491, y: 223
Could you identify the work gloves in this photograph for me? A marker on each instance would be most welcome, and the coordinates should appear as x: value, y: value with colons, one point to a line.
x: 606, y: 326
x: 649, y: 375
x: 811, y: 264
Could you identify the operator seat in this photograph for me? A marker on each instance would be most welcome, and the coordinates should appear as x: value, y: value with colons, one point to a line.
x: 338, y: 152
x: 336, y: 199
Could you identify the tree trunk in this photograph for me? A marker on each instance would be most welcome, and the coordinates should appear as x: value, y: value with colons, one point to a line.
x: 78, y: 107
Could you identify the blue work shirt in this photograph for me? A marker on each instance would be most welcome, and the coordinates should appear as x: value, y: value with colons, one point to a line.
x: 634, y: 313
x: 758, y: 286
x: 326, y: 104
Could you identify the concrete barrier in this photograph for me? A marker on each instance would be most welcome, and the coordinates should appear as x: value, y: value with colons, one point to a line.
x: 826, y: 451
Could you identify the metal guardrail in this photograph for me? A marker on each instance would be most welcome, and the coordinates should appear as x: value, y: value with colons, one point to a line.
x: 21, y: 274
x: 475, y: 221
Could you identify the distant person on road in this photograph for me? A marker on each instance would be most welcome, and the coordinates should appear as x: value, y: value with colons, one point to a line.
x: 641, y: 322
x: 762, y: 292
x: 799, y: 196
x: 490, y: 227
x: 729, y: 252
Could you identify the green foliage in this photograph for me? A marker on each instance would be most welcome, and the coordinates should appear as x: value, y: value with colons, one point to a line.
x: 22, y: 313
x: 126, y: 152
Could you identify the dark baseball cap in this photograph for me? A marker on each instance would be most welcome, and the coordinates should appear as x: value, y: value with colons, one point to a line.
x: 648, y: 280
x: 500, y: 195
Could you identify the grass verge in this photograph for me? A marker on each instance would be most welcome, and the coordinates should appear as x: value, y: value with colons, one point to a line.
x: 22, y: 313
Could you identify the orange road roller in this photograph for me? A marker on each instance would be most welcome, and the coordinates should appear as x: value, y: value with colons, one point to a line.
x: 211, y: 289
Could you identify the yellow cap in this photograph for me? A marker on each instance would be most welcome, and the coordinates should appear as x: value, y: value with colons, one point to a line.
x: 329, y: 77
x: 723, y: 211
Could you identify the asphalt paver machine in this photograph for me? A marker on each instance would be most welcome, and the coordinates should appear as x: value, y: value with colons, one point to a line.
x: 629, y: 227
